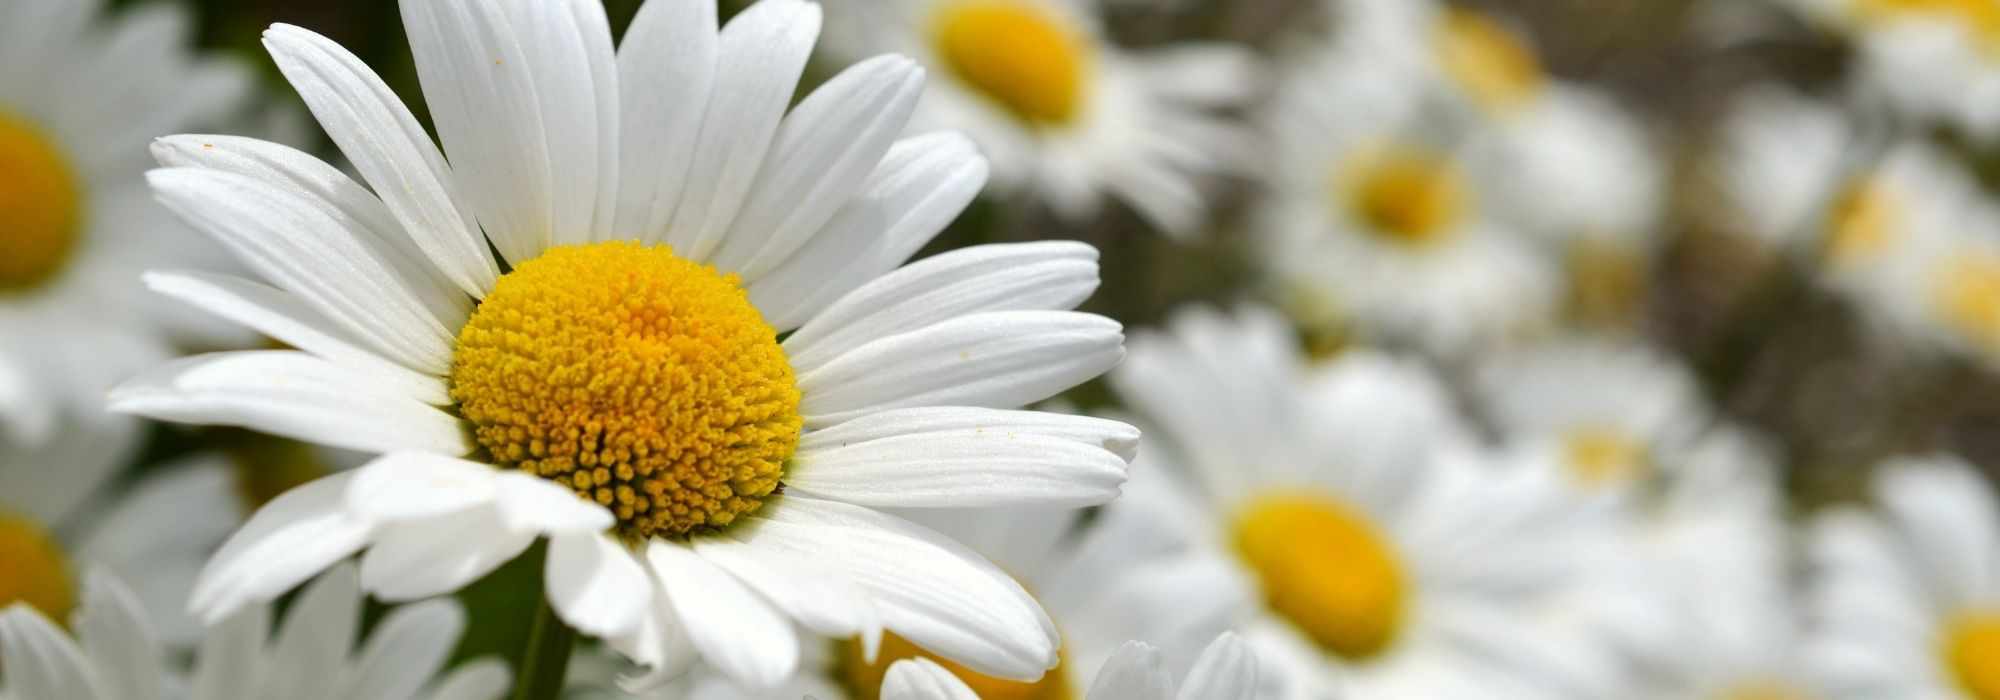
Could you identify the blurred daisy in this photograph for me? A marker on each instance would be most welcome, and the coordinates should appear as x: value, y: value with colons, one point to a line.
x: 1408, y: 567
x: 313, y: 654
x: 1478, y: 60
x: 1061, y: 111
x: 1227, y: 670
x: 1900, y: 243
x: 1932, y: 60
x: 78, y: 101
x: 1908, y: 598
x: 1777, y: 161
x: 614, y: 381
x: 1376, y: 220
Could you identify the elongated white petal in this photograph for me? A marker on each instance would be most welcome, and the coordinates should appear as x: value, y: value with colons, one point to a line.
x: 292, y: 394
x: 929, y: 590
x: 41, y: 661
x: 1119, y: 438
x: 573, y: 70
x: 113, y: 631
x: 532, y: 504
x: 1226, y: 670
x: 306, y: 251
x: 999, y: 359
x: 737, y: 632
x: 920, y: 186
x: 481, y: 679
x: 406, y: 651
x: 412, y: 485
x: 390, y: 149
x: 421, y: 558
x: 760, y: 55
x: 659, y: 644
x: 282, y: 316
x: 321, y: 624
x: 232, y: 654
x: 596, y: 584
x: 1047, y: 276
x: 666, y: 68
x: 961, y: 469
x: 923, y: 679
x: 294, y: 537
x: 1135, y: 672
x: 824, y: 152
x: 815, y: 593
x: 1948, y: 515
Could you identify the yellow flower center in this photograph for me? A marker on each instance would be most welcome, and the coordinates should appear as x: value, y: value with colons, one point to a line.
x: 266, y: 467
x: 1862, y: 221
x: 1980, y: 17
x: 41, y: 206
x: 1019, y: 55
x: 1488, y: 60
x: 1406, y: 196
x: 644, y: 382
x: 1325, y: 568
x: 1763, y: 690
x: 35, y: 572
x: 1967, y: 295
x: 1972, y: 653
x: 1602, y: 456
x: 863, y: 680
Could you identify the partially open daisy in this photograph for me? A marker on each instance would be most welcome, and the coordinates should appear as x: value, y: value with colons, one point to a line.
x: 1380, y: 544
x: 694, y: 368
x: 1376, y: 219
x: 1063, y: 112
x: 1908, y: 597
x: 79, y: 99
x: 317, y: 652
x: 1226, y: 670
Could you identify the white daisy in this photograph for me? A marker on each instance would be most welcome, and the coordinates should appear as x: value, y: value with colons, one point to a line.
x: 1406, y: 564
x: 619, y: 386
x: 1062, y: 111
x: 312, y: 655
x: 1375, y: 218
x: 78, y: 100
x: 1907, y: 599
x: 1931, y: 60
x: 1227, y: 670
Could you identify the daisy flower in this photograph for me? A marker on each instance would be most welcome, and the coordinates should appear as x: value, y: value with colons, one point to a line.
x: 695, y: 366
x: 1063, y: 112
x: 1376, y: 220
x: 1481, y: 63
x: 312, y: 654
x: 1907, y: 597
x: 1379, y: 549
x: 1932, y: 61
x: 79, y: 99
x: 1226, y: 671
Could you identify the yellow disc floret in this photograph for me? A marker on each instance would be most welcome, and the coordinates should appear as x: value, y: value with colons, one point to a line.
x: 32, y: 568
x: 1327, y: 569
x: 863, y: 680
x: 1967, y: 296
x: 1487, y: 60
x: 41, y: 206
x: 1862, y: 221
x: 1029, y: 61
x: 1972, y: 654
x: 1405, y: 195
x: 646, y: 383
x: 1599, y: 456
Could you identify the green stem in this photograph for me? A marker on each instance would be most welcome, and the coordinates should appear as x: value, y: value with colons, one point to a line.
x: 546, y: 661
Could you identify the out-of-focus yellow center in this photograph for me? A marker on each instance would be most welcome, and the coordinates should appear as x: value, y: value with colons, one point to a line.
x: 1981, y: 18
x: 1488, y: 60
x: 1862, y: 221
x: 41, y: 206
x: 1030, y: 61
x: 863, y: 680
x: 1408, y: 196
x: 1972, y: 654
x: 644, y: 382
x: 1603, y: 456
x: 266, y: 467
x: 35, y: 571
x: 1763, y: 690
x: 1327, y: 569
x: 1967, y: 296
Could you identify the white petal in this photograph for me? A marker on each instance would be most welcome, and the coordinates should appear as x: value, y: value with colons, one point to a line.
x: 1119, y: 438
x: 231, y: 660
x: 961, y: 469
x: 115, y: 636
x: 1226, y: 670
x: 532, y: 504
x: 1051, y: 276
x: 665, y: 69
x: 920, y: 186
x: 596, y: 584
x: 291, y: 394
x: 738, y: 633
x: 411, y: 485
x: 406, y: 650
x: 815, y: 593
x: 929, y: 589
x: 574, y: 72
x: 919, y: 678
x: 41, y: 661
x: 304, y: 250
x: 660, y: 644
x: 294, y: 537
x: 321, y: 624
x: 390, y: 150
x: 997, y: 359
x: 415, y: 559
x: 481, y: 679
x: 1947, y: 514
x: 760, y: 55
x: 1134, y: 672
x: 824, y: 152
